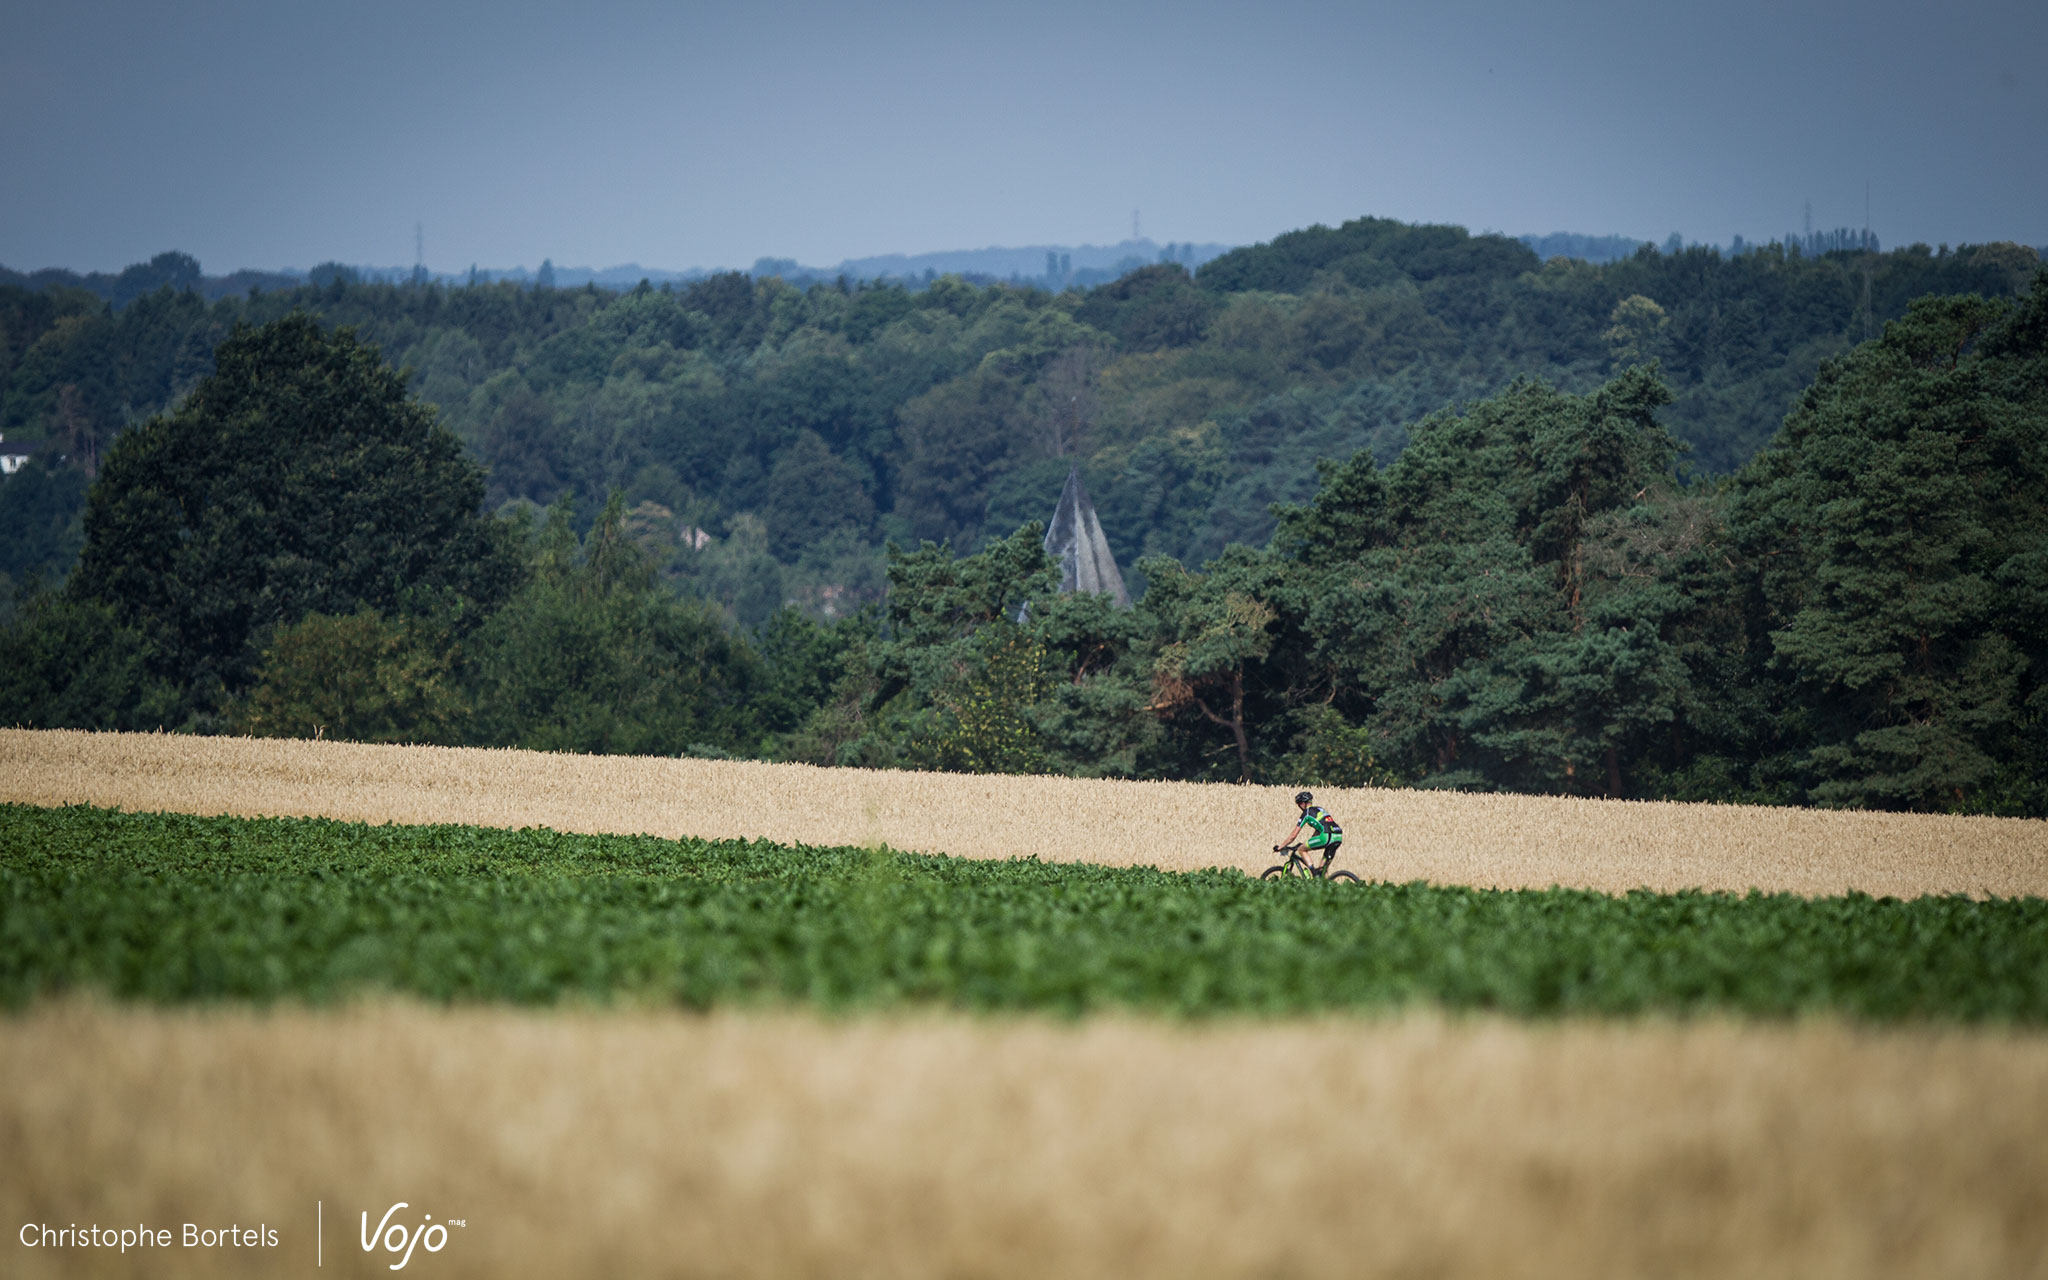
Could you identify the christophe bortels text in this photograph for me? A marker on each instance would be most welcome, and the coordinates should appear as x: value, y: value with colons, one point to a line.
x: 41, y: 1235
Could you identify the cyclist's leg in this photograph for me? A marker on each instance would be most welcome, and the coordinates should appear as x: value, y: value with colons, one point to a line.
x: 1330, y: 853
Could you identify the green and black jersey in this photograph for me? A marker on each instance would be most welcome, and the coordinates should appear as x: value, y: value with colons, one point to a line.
x: 1322, y: 828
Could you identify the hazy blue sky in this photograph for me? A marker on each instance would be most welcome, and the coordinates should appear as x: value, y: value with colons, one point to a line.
x: 282, y: 134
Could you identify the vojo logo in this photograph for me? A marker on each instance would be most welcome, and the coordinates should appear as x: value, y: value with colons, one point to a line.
x: 398, y: 1238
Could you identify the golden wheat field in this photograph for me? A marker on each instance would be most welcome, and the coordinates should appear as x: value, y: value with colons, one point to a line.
x: 650, y: 1142
x: 662, y: 1144
x: 1485, y: 840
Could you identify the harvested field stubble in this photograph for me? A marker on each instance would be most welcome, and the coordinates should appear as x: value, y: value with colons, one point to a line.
x: 1499, y: 841
x: 775, y: 1145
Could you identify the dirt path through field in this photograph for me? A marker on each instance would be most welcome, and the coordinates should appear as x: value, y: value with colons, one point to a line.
x: 784, y: 1145
x: 1485, y: 840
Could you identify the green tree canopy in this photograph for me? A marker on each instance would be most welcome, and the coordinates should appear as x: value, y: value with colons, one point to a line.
x: 297, y: 478
x: 357, y: 678
x: 590, y: 655
x: 1898, y: 527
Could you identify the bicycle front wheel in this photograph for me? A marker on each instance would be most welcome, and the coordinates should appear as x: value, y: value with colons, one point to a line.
x: 1274, y: 873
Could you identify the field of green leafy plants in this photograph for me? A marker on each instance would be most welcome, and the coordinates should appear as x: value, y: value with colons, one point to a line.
x: 165, y: 907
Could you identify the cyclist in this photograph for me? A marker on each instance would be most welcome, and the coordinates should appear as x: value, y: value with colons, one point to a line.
x: 1323, y: 831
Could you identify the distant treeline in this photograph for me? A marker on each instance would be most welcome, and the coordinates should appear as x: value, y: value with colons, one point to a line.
x: 769, y: 439
x: 175, y: 271
x: 1566, y: 244
x: 1614, y: 248
x: 1054, y: 267
x: 1531, y: 595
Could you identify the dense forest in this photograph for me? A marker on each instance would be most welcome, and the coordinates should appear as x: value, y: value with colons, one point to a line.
x: 953, y: 411
x: 1407, y: 506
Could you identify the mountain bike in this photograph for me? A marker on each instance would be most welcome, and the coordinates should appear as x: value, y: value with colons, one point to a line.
x: 1298, y: 867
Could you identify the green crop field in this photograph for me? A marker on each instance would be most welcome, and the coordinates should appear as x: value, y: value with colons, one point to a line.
x: 175, y: 908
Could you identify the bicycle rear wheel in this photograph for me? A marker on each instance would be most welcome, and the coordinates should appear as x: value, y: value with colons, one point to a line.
x: 1344, y: 875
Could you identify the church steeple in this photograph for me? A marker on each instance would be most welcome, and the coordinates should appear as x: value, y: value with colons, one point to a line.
x: 1074, y: 538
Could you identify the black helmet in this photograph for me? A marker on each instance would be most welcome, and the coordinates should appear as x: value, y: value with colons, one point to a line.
x: 1303, y: 798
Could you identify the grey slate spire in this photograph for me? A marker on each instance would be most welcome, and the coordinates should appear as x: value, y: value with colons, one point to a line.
x: 1074, y: 538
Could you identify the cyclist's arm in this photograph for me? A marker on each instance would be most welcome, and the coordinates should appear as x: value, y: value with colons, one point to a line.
x: 1292, y: 834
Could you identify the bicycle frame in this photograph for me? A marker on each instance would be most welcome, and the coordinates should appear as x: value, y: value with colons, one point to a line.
x: 1298, y: 867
